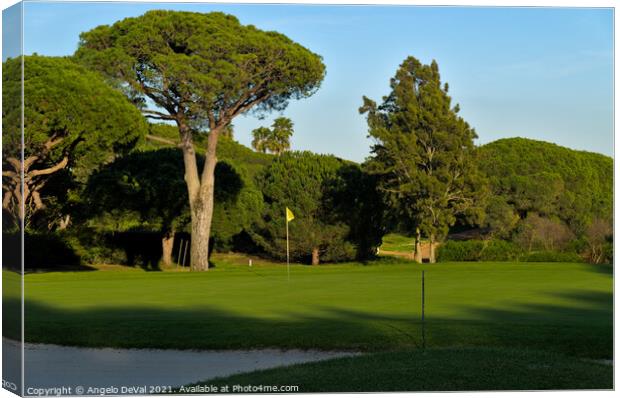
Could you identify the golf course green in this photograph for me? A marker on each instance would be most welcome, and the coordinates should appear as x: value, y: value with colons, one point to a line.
x: 556, y: 307
x: 488, y: 326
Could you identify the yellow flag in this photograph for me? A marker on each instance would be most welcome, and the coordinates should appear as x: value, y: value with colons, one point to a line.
x: 289, y: 215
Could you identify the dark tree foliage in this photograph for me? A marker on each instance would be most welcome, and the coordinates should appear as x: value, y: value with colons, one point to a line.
x: 145, y: 191
x: 201, y: 71
x: 354, y: 197
x: 238, y: 200
x: 540, y: 178
x: 297, y: 180
x: 73, y: 123
x: 230, y: 217
x: 423, y: 153
x: 336, y: 209
x: 140, y: 191
x: 500, y: 218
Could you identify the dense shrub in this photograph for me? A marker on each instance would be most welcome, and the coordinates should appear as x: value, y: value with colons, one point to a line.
x: 579, y: 245
x: 540, y: 233
x: 608, y: 253
x: 11, y: 254
x: 42, y: 251
x: 94, y: 247
x: 500, y: 250
x: 468, y: 250
x: 552, y: 257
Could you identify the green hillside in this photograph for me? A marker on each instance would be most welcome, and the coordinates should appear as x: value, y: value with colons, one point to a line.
x: 554, y: 181
x: 165, y: 136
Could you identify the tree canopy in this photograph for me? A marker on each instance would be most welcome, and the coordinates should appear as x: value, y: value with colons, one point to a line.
x: 65, y: 128
x: 331, y: 200
x: 145, y: 192
x: 423, y: 151
x: 546, y: 179
x: 200, y: 71
x: 297, y: 180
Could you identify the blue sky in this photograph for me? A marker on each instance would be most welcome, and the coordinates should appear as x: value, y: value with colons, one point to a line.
x: 542, y: 73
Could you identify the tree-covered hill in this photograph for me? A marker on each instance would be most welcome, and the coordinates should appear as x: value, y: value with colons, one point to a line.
x: 553, y: 181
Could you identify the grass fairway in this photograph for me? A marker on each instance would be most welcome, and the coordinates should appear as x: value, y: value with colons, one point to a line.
x: 564, y: 308
x: 397, y: 243
x: 477, y: 369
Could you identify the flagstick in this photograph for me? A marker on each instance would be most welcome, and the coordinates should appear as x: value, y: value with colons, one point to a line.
x: 288, y: 266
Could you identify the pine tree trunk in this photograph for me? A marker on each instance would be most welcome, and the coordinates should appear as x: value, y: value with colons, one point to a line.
x: 167, y: 242
x: 200, y: 190
x: 315, y: 256
x: 201, y: 230
x: 202, y: 211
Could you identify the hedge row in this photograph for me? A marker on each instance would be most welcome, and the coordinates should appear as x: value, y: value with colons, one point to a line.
x: 498, y: 250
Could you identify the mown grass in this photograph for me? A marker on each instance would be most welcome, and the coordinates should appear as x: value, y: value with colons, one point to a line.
x: 480, y: 369
x: 564, y: 308
x: 397, y: 243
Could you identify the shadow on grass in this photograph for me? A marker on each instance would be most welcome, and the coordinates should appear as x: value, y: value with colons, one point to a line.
x: 437, y: 369
x: 607, y: 269
x: 582, y: 328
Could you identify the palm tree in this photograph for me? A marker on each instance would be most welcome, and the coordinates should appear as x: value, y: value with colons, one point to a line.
x: 282, y: 131
x: 275, y: 140
x: 261, y: 139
